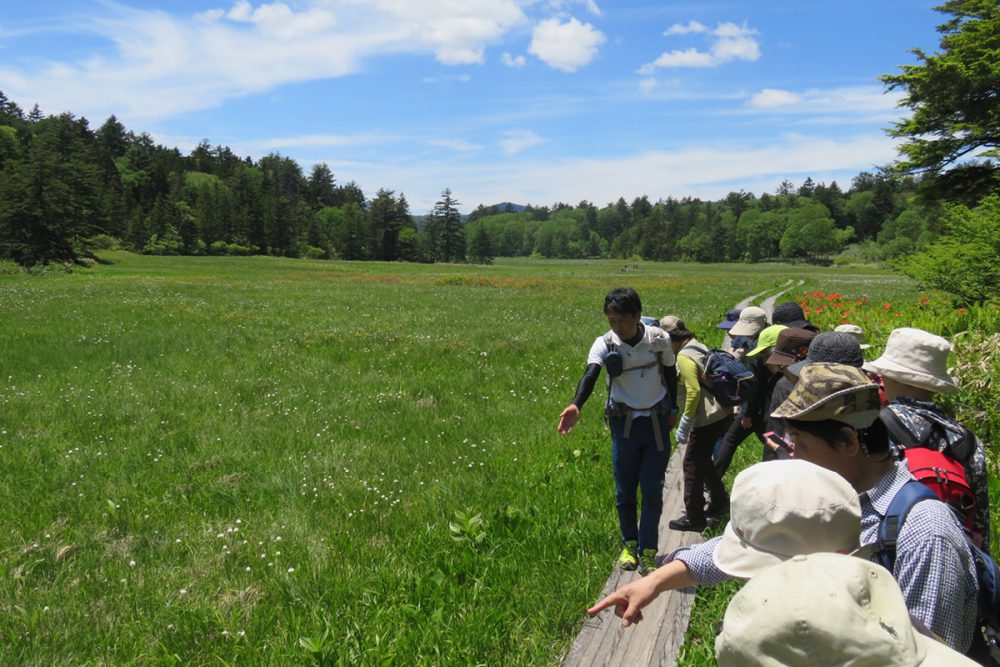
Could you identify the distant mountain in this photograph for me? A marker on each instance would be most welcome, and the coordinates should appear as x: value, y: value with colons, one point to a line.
x: 508, y: 207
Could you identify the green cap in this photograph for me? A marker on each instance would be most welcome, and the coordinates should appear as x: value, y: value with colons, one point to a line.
x: 767, y: 338
x: 832, y: 391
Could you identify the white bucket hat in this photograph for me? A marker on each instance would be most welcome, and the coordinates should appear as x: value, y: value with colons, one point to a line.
x: 826, y: 609
x: 752, y: 321
x: 917, y: 358
x: 780, y: 509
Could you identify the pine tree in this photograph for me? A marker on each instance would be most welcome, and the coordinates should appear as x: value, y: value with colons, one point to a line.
x: 452, y: 236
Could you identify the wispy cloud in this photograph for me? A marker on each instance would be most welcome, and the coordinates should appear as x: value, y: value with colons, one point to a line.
x: 321, y: 140
x: 163, y: 65
x: 566, y: 46
x: 516, y: 141
x: 728, y: 42
x: 460, y: 145
x: 845, y: 100
x: 708, y: 171
x: 513, y: 61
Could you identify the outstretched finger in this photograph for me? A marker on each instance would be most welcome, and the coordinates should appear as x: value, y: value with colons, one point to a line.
x: 613, y: 600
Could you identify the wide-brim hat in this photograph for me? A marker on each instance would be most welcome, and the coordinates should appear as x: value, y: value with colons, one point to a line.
x: 826, y: 609
x: 751, y: 322
x: 784, y: 508
x: 832, y: 391
x: 917, y: 358
x: 791, y: 346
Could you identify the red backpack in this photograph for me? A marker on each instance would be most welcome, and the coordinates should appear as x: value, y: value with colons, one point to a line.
x: 941, y: 473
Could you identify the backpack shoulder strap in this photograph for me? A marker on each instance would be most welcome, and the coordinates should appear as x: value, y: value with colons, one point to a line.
x: 896, y: 429
x: 908, y: 495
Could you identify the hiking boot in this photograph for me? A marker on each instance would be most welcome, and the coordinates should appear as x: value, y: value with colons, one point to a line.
x: 715, y: 510
x: 629, y: 558
x: 647, y: 561
x: 686, y: 524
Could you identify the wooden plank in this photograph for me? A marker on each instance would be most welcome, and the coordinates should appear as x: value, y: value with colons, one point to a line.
x: 658, y: 638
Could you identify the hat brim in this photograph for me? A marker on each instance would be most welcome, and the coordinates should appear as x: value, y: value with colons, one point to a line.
x: 727, y: 324
x: 781, y: 359
x: 797, y: 324
x: 890, y: 369
x: 746, y: 329
x: 796, y: 368
x: 738, y: 558
x: 938, y: 654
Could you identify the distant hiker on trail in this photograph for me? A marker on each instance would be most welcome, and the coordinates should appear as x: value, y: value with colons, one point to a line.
x: 780, y: 509
x: 914, y: 367
x: 790, y: 314
x: 752, y: 416
x: 640, y: 411
x: 703, y: 421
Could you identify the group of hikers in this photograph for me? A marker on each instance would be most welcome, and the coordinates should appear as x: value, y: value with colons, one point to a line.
x: 864, y: 530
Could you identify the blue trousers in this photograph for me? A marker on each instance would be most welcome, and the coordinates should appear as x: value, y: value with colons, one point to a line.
x: 638, y: 465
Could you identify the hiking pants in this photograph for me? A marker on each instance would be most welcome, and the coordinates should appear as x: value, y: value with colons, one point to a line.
x: 732, y: 439
x: 639, y: 465
x: 699, y: 471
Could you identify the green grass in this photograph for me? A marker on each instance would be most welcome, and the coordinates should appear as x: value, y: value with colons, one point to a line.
x: 269, y: 461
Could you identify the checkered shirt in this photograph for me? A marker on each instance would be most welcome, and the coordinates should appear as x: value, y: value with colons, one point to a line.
x: 934, y: 567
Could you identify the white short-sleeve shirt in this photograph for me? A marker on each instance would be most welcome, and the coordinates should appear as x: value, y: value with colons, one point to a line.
x: 638, y: 389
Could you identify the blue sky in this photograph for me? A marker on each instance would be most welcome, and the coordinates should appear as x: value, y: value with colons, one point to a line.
x: 530, y: 101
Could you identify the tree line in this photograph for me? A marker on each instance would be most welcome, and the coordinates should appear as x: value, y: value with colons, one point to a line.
x: 66, y: 189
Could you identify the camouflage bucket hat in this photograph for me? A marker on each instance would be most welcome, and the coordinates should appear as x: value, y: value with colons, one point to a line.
x: 832, y: 391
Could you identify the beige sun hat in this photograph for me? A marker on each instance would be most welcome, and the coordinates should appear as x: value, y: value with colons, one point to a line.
x: 752, y: 321
x: 826, y: 609
x: 780, y: 509
x: 917, y: 358
x: 855, y: 331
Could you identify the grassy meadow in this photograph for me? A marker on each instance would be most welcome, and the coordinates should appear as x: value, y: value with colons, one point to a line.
x: 269, y: 461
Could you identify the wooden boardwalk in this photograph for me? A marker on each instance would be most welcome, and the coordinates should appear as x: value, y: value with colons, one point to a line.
x: 658, y: 638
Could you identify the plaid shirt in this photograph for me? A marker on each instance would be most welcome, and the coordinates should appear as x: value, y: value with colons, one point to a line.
x: 934, y: 567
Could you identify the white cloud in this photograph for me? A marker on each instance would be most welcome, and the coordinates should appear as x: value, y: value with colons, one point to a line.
x: 513, y: 61
x: 648, y: 85
x: 460, y: 145
x: 560, y: 5
x: 865, y: 100
x: 320, y: 140
x: 699, y: 171
x: 565, y: 46
x: 684, y: 29
x: 728, y: 42
x: 515, y: 141
x: 769, y: 98
x: 163, y: 65
x: 686, y: 58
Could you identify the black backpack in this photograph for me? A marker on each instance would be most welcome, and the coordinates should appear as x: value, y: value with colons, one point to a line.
x: 987, y: 572
x: 725, y: 377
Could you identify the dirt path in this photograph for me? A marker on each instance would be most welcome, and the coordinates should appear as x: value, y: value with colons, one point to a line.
x: 768, y: 303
